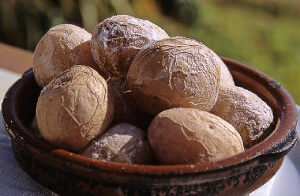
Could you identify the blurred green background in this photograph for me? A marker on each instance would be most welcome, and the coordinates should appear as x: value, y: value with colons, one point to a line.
x: 262, y: 34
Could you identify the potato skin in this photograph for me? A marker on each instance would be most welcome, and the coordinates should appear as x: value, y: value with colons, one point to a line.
x: 248, y: 113
x: 74, y: 108
x: 117, y: 39
x: 59, y: 49
x: 175, y: 72
x: 226, y: 78
x: 122, y: 143
x: 188, y: 135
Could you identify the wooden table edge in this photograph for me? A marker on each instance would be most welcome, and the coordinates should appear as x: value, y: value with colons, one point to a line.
x: 15, y: 59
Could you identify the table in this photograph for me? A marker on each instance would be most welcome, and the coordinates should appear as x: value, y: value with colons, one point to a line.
x: 15, y: 59
x: 14, y: 181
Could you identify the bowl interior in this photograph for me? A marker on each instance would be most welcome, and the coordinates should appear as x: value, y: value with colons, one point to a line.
x: 20, y: 102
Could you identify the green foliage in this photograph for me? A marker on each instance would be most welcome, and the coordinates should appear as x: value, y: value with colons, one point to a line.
x: 263, y: 34
x: 268, y: 42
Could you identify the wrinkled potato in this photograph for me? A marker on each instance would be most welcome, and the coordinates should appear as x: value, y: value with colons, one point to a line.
x: 59, y: 49
x: 74, y: 108
x: 35, y: 129
x: 126, y: 109
x: 248, y: 113
x: 226, y: 78
x: 148, y: 73
x: 117, y: 39
x: 175, y: 72
x: 188, y: 135
x: 122, y: 143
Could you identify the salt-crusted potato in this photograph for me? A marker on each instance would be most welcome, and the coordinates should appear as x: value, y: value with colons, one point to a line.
x: 117, y: 39
x: 175, y: 72
x: 248, y: 113
x: 188, y: 135
x: 122, y: 143
x: 59, y: 49
x: 226, y: 78
x: 74, y: 108
x: 177, y: 80
x: 34, y: 128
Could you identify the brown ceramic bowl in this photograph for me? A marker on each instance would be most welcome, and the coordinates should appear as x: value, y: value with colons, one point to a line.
x: 71, y: 174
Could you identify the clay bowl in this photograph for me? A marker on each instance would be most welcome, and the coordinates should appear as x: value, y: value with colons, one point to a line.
x: 67, y: 173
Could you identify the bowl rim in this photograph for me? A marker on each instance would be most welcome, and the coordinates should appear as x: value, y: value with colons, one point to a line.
x: 269, y: 148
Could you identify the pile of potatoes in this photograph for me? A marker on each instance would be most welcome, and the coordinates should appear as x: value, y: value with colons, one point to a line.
x: 130, y: 93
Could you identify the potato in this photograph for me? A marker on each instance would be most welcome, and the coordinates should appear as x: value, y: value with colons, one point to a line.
x: 74, y: 108
x: 34, y: 128
x: 126, y: 109
x: 59, y: 49
x: 117, y: 39
x: 122, y: 143
x: 248, y: 113
x: 188, y: 135
x: 226, y: 78
x: 175, y: 72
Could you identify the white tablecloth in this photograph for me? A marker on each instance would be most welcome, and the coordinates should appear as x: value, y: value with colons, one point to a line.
x: 14, y: 181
